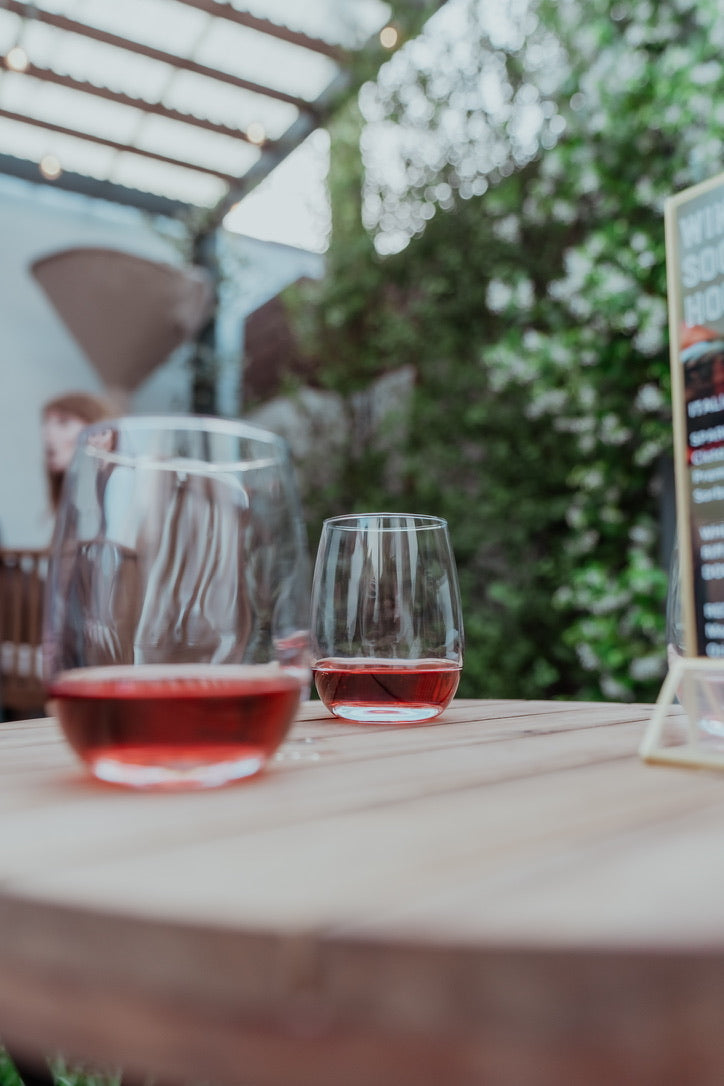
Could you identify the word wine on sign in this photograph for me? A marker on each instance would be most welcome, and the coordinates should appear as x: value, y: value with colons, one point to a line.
x: 695, y: 274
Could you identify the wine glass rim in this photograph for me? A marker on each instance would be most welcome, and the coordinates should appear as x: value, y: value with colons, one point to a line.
x: 191, y: 424
x: 194, y: 423
x: 354, y: 521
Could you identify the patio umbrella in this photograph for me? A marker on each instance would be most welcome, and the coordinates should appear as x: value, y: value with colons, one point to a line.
x: 127, y: 313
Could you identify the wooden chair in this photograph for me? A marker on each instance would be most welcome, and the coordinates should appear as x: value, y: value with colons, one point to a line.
x: 22, y: 587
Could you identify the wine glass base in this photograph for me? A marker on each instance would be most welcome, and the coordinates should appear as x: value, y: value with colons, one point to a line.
x: 171, y: 775
x: 386, y: 714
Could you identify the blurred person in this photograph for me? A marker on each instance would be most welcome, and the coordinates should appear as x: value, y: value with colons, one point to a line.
x: 62, y: 420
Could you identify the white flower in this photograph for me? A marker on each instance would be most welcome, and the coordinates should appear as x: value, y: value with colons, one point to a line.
x: 649, y: 340
x: 587, y: 396
x: 704, y: 74
x: 581, y: 306
x: 499, y: 295
x: 533, y: 340
x: 588, y: 658
x: 591, y: 479
x: 574, y: 425
x: 583, y: 543
x: 608, y: 604
x: 614, y: 690
x: 648, y: 667
x: 642, y: 534
x: 550, y: 402
x: 507, y: 228
x: 646, y: 193
x: 613, y: 432
x: 564, y: 211
x: 524, y: 295
x: 649, y: 398
x: 560, y: 354
x: 588, y: 180
x: 647, y: 453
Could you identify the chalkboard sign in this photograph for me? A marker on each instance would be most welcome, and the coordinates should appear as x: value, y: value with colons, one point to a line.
x: 695, y: 275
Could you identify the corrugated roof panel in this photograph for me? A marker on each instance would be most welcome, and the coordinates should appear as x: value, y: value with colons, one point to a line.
x: 162, y: 23
x: 189, y: 92
x: 186, y: 185
x: 209, y: 149
x: 96, y: 62
x: 10, y: 26
x: 55, y: 105
x: 274, y: 63
x: 34, y: 144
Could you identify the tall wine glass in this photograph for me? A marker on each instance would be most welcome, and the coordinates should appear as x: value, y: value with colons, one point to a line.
x: 176, y: 630
x: 387, y: 632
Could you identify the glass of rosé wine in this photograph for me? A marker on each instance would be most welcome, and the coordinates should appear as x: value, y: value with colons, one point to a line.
x: 176, y: 641
x: 386, y: 624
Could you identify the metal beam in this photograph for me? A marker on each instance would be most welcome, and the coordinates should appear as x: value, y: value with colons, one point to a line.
x: 49, y: 76
x: 49, y: 126
x: 97, y: 190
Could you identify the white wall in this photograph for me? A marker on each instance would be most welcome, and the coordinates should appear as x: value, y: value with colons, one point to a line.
x: 39, y: 358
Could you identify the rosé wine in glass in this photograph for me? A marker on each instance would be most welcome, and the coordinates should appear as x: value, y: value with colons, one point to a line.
x: 131, y: 725
x: 412, y: 690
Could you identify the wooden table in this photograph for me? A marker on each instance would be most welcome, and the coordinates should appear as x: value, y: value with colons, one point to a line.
x: 508, y: 896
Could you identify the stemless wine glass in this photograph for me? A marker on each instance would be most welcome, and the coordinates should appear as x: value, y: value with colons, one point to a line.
x: 176, y: 644
x: 387, y: 634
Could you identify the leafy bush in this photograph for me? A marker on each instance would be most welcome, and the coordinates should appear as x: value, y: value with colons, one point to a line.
x: 535, y: 317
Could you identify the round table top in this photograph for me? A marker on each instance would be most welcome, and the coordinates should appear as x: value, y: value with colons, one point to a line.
x: 507, y: 892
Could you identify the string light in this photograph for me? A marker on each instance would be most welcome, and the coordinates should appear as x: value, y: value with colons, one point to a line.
x: 50, y: 167
x: 389, y: 37
x: 256, y: 133
x: 16, y: 59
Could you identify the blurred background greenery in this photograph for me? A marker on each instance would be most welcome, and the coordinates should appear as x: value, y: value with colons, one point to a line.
x: 497, y: 204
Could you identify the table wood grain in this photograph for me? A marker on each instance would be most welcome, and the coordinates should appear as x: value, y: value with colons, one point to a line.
x: 506, y: 896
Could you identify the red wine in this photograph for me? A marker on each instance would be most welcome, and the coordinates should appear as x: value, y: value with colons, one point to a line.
x: 171, y: 726
x: 369, y: 690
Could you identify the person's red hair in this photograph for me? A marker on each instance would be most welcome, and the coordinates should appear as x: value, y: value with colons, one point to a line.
x: 81, y: 405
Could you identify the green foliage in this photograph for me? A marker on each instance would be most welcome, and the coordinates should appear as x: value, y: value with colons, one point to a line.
x: 61, y: 1073
x: 8, y: 1074
x: 65, y: 1074
x: 535, y: 317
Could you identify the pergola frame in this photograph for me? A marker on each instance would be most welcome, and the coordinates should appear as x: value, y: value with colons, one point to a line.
x: 311, y: 114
